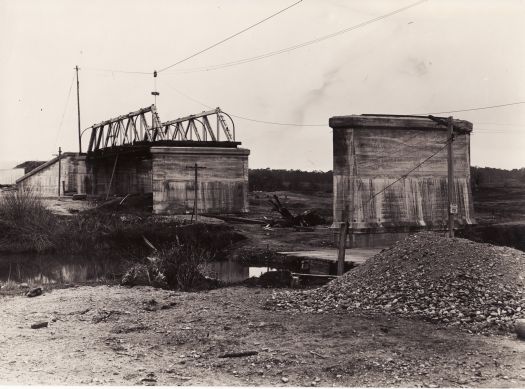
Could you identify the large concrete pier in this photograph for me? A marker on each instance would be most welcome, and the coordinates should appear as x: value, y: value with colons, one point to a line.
x: 372, y: 190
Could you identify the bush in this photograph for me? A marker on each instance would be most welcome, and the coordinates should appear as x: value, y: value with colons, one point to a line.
x: 178, y: 267
x: 183, y: 266
x: 25, y: 223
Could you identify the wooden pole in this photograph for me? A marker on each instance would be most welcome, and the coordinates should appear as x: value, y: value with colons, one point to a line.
x: 196, y: 168
x: 452, y: 207
x: 59, y: 168
x: 196, y: 192
x: 343, y: 231
x: 78, y: 111
x: 112, y: 174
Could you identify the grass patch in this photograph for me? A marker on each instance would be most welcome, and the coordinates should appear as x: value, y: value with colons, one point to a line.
x: 184, y: 265
x: 25, y: 223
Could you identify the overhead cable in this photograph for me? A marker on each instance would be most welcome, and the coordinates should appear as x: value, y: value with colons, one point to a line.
x: 230, y: 37
x: 243, y: 117
x: 311, y: 124
x: 59, y: 129
x: 269, y: 54
x: 476, y: 109
x: 300, y: 45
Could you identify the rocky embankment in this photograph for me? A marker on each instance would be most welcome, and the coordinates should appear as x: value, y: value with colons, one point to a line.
x: 455, y: 281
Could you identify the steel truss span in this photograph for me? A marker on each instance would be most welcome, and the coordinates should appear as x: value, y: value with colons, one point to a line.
x: 144, y: 126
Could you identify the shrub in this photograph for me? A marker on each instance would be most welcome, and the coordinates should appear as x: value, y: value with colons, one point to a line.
x: 183, y: 265
x: 25, y: 223
x: 22, y: 207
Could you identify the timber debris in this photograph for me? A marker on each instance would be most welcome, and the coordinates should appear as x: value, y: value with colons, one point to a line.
x: 239, y: 354
x: 42, y: 324
x: 34, y: 292
x: 308, y: 218
x: 455, y: 281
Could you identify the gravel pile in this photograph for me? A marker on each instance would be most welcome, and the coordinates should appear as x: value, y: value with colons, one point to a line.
x: 455, y: 281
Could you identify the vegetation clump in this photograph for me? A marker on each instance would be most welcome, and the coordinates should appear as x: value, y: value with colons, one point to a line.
x: 177, y: 266
x: 25, y: 223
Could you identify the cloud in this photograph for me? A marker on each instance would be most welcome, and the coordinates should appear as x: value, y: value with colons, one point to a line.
x: 415, y: 67
x: 330, y: 77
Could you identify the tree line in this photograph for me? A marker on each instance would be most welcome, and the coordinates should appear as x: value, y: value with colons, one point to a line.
x: 271, y: 180
x: 491, y: 177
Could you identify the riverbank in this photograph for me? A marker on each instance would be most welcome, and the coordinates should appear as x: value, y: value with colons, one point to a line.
x: 125, y: 336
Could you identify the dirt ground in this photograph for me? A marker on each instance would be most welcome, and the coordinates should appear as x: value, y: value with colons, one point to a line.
x: 115, y: 335
x: 118, y: 336
x: 290, y: 238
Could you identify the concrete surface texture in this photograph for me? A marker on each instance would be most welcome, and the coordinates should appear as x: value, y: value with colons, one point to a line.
x: 167, y: 172
x: 44, y: 180
x: 222, y: 179
x: 120, y: 174
x: 372, y: 152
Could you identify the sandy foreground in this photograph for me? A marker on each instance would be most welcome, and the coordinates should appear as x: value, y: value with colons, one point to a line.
x: 111, y: 335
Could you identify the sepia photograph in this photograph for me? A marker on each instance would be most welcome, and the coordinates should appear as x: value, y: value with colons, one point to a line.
x: 277, y: 193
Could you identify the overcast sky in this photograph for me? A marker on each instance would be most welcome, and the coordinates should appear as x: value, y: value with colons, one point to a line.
x: 437, y: 56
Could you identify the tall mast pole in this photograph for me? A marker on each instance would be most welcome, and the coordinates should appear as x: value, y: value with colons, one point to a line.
x: 78, y: 110
x: 59, y: 169
x: 155, y: 93
x: 452, y: 207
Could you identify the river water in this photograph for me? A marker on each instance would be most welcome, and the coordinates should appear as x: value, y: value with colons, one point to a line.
x: 63, y: 269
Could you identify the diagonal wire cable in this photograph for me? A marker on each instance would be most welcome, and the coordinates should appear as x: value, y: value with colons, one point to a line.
x: 265, y: 55
x: 325, y: 125
x: 300, y: 45
x: 449, y: 140
x: 65, y: 109
x: 231, y: 36
x: 477, y: 108
x: 244, y: 117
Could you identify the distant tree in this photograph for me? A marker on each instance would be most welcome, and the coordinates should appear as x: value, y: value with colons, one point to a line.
x: 487, y: 176
x: 271, y: 180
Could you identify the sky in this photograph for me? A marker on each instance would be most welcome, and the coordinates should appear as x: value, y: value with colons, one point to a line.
x: 436, y: 56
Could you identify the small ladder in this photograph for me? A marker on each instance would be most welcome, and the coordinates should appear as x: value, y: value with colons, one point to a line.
x: 224, y: 126
x: 156, y: 125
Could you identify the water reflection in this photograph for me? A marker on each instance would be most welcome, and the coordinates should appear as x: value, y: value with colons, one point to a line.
x: 258, y: 271
x: 68, y: 269
x: 52, y: 269
x: 231, y: 272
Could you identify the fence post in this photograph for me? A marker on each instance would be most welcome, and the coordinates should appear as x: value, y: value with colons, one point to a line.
x: 343, y: 231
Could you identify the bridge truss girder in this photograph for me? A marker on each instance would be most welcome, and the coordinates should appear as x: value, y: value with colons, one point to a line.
x: 144, y: 126
x: 199, y: 127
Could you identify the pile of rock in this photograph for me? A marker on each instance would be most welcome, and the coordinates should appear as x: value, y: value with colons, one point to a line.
x: 453, y: 281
